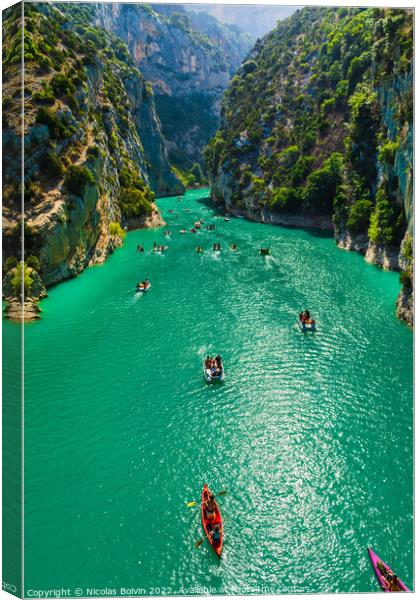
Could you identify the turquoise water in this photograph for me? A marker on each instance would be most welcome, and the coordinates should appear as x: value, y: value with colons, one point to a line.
x: 310, y: 434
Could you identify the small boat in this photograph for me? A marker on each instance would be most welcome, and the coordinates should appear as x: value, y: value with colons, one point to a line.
x: 143, y: 287
x: 183, y: 231
x: 308, y: 325
x: 209, y: 525
x: 227, y: 219
x: 197, y: 225
x: 210, y: 377
x: 192, y: 230
x: 385, y: 574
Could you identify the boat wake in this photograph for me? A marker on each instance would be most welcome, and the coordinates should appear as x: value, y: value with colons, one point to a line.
x: 270, y: 262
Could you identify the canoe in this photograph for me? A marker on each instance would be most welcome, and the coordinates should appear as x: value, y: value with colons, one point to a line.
x: 208, y: 525
x: 379, y: 565
x: 209, y: 377
x: 145, y: 288
x: 307, y: 327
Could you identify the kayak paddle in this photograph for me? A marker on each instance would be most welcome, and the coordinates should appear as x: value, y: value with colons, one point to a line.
x: 194, y: 503
x: 198, y: 544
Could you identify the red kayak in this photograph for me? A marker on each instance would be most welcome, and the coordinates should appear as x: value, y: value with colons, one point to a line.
x: 388, y: 581
x: 209, y: 524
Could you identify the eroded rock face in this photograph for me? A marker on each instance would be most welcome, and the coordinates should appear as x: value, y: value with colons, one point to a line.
x: 189, y: 59
x: 96, y: 118
x: 405, y: 305
x: 295, y: 108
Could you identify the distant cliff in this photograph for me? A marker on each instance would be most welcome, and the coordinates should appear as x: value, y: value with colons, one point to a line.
x: 317, y: 128
x: 94, y: 152
x: 188, y: 59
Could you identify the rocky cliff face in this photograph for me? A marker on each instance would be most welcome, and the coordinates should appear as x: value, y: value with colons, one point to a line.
x: 317, y: 124
x: 188, y: 59
x: 93, y: 147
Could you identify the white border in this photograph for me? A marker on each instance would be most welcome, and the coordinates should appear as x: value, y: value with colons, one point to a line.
x: 362, y: 3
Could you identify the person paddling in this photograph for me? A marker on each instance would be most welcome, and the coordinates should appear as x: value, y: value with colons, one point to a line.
x: 394, y: 584
x: 211, y: 508
x: 216, y: 534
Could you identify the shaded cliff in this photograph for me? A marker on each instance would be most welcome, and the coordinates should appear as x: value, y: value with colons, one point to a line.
x: 317, y: 126
x: 93, y: 147
x: 188, y: 59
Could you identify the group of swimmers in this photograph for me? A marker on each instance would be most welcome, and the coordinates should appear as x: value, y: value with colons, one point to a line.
x: 157, y: 248
x: 214, y: 364
x: 199, y: 249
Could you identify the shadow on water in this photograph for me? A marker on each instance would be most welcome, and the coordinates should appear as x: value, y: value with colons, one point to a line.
x: 208, y: 203
x: 313, y: 231
x: 320, y: 233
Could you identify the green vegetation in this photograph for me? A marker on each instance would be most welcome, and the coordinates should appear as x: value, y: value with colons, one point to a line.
x: 321, y: 187
x: 21, y: 276
x: 387, y: 152
x: 359, y: 216
x: 135, y: 198
x: 52, y: 165
x: 34, y: 263
x: 116, y: 229
x: 9, y: 264
x: 406, y: 279
x: 192, y: 177
x: 77, y: 178
x: 57, y: 125
x: 304, y: 122
x: 384, y: 222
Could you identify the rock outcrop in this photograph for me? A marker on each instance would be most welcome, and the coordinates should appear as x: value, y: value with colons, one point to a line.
x: 22, y: 294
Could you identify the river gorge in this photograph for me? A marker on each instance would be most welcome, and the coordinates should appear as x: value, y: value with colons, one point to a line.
x: 310, y: 434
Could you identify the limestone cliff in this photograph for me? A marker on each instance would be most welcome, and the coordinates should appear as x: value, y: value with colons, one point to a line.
x: 317, y: 124
x: 93, y: 148
x: 188, y: 59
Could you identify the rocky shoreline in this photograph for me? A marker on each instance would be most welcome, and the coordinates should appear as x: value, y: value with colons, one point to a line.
x: 29, y: 310
x: 323, y: 222
x: 385, y: 257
